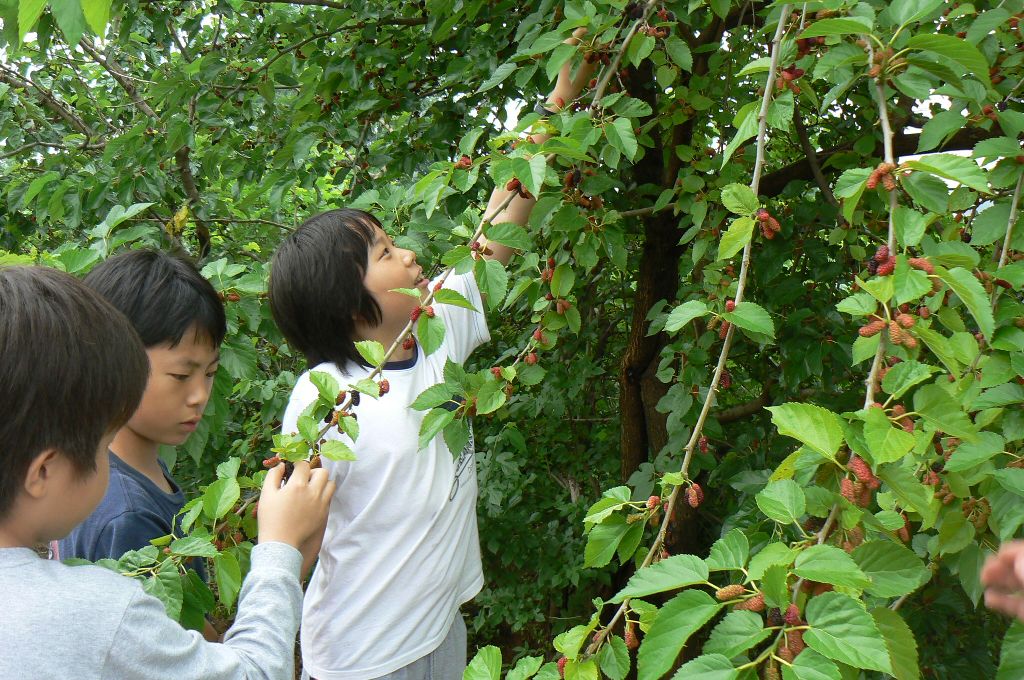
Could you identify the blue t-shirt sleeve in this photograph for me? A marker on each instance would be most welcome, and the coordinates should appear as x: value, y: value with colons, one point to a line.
x: 127, y: 531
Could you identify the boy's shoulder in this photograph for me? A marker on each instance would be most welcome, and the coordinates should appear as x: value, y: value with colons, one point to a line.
x: 63, y: 587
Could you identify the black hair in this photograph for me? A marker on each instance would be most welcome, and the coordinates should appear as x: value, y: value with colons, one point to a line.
x: 316, y: 285
x: 162, y: 294
x: 72, y: 370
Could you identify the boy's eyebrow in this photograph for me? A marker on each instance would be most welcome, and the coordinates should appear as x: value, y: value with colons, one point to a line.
x: 195, y: 364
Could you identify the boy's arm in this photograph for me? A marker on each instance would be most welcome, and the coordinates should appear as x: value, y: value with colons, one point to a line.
x: 260, y: 644
x: 566, y: 89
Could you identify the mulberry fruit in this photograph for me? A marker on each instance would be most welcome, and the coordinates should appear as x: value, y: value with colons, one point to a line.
x: 871, y: 328
x: 271, y: 462
x: 754, y: 604
x: 653, y: 502
x: 729, y: 592
x: 882, y: 254
x: 385, y: 387
x: 888, y: 267
x: 694, y: 495
x: 792, y: 615
x: 906, y: 320
x: 923, y: 264
x: 631, y: 640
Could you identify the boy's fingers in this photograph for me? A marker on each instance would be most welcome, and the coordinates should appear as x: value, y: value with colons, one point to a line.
x: 1008, y: 604
x: 574, y: 39
x: 274, y: 477
x: 300, y: 473
x: 328, y: 490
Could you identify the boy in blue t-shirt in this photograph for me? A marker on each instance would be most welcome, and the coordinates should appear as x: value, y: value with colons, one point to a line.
x: 180, y: 319
x: 71, y: 374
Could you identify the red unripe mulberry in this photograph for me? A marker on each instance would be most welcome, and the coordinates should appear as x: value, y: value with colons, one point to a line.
x: 882, y: 254
x: 385, y: 387
x: 513, y: 185
x: 531, y: 359
x: 561, y: 667
x: 271, y: 462
x: 415, y: 314
x: 653, y: 502
x: 729, y: 592
x: 871, y: 328
x: 792, y: 615
x: 538, y: 335
x: 754, y: 604
x: 730, y: 305
x: 496, y: 372
x: 408, y: 342
x: 429, y: 311
x: 921, y: 263
x: 906, y: 320
x: 887, y: 267
x: 694, y: 495
x: 847, y: 491
x: 631, y: 640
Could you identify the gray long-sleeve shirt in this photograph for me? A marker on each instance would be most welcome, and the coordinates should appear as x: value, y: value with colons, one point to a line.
x: 90, y: 623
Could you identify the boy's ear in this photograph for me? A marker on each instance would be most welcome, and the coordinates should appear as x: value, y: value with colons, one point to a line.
x: 42, y: 471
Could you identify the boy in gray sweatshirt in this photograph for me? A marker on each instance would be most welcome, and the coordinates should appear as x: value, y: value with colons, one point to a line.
x: 72, y: 371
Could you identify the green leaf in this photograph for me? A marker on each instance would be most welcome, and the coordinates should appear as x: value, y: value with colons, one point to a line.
x: 707, y: 667
x: 853, y: 25
x: 193, y: 546
x: 620, y: 135
x: 219, y: 497
x: 816, y: 427
x: 1011, y: 479
x: 435, y: 421
x: 909, y: 491
x: 1001, y: 395
x: 905, y: 375
x: 603, y: 540
x: 229, y: 577
x: 509, y: 234
x: 70, y: 18
x: 668, y: 574
x: 677, y: 620
x: 562, y: 280
x: 893, y: 569
x: 492, y: 280
x: 97, y: 13
x: 858, y: 304
x: 491, y: 397
x: 486, y: 665
x: 969, y: 455
x: 735, y: 237
x: 900, y: 641
x: 910, y: 224
x: 774, y: 586
x: 29, y: 12
x: 906, y: 11
x: 752, y: 317
x: 525, y: 668
x: 811, y: 666
x: 735, y: 634
x: 940, y: 347
x: 679, y: 52
x: 371, y: 350
x: 614, y: 658
x: 332, y: 449
x: 972, y: 294
x: 1011, y: 656
x: 885, y: 442
x: 937, y: 407
x: 843, y: 631
x: 739, y: 199
x: 729, y: 552
x: 960, y: 51
x: 746, y: 127
x: 433, y: 396
x: 684, y: 314
x: 165, y: 585
x: 447, y: 296
x: 499, y: 75
x: 829, y: 564
x: 430, y: 332
x: 782, y: 501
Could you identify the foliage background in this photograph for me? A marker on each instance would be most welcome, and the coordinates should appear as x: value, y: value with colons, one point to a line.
x: 219, y: 126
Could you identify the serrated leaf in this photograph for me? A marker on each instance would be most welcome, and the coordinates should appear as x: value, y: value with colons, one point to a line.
x: 97, y: 13
x: 677, y: 620
x: 684, y: 314
x: 935, y: 406
x: 892, y: 569
x: 430, y: 331
x: 735, y: 634
x: 433, y: 396
x: 735, y: 237
x: 900, y: 641
x: 739, y: 199
x: 829, y: 564
x: 885, y: 443
x: 614, y: 658
x: 499, y: 76
x: 853, y: 25
x: 905, y: 375
x: 332, y: 449
x: 818, y: 428
x: 668, y: 574
x: 841, y: 630
x: 435, y: 421
x: 1011, y: 656
x: 729, y: 552
x: 679, y: 52
x: 229, y: 577
x: 165, y: 585
x: 811, y: 666
x: 509, y: 234
x: 956, y: 49
x: 968, y: 455
x: 193, y: 546
x: 486, y: 665
x: 782, y: 501
x: 751, y: 317
x: 621, y: 136
x: 972, y: 294
x: 372, y: 351
x: 220, y: 496
x: 707, y: 667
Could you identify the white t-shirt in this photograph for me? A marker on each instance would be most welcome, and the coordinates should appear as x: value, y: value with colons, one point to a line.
x: 401, y: 552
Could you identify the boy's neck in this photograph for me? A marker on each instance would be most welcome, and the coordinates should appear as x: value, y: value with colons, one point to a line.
x: 14, y: 535
x: 140, y: 453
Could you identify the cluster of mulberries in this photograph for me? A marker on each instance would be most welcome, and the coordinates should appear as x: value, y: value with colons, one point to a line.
x: 862, y: 471
x: 805, y: 45
x: 857, y: 492
x: 769, y: 225
x: 883, y: 174
x: 882, y: 263
x: 977, y: 511
x: 694, y: 495
x: 515, y: 185
x: 786, y: 78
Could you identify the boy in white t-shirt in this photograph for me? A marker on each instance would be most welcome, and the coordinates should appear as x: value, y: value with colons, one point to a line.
x: 401, y: 552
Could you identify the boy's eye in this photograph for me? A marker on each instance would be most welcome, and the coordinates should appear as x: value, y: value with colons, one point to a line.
x: 179, y: 376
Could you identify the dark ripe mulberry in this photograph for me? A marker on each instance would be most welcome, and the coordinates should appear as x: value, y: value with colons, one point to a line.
x: 725, y: 382
x: 385, y: 386
x: 775, y: 617
x: 872, y: 267
x: 702, y: 444
x: 730, y: 592
x: 513, y: 184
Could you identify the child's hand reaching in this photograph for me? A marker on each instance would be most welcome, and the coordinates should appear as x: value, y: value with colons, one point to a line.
x: 1003, y: 578
x: 296, y: 513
